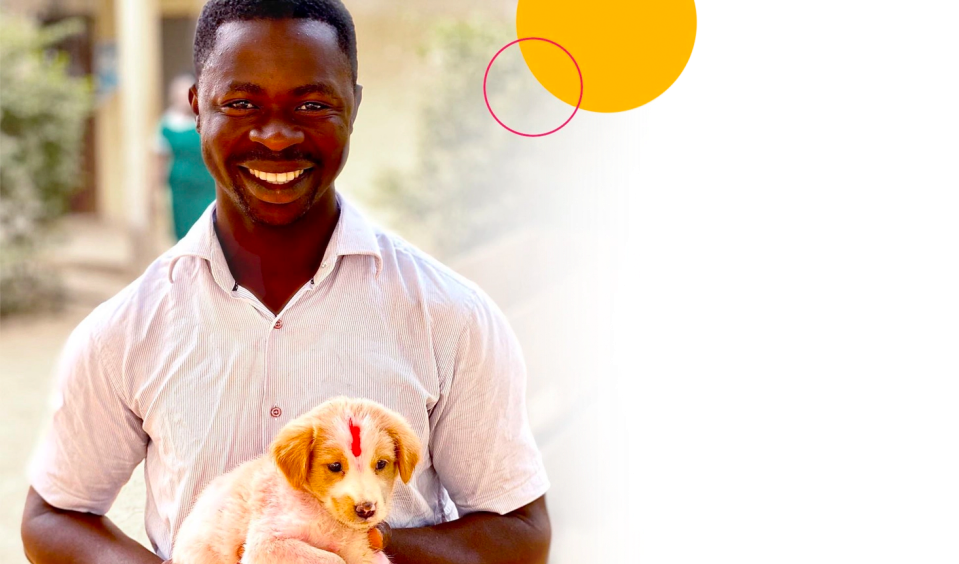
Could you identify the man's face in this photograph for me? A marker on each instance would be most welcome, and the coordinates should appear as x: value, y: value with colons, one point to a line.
x: 276, y: 105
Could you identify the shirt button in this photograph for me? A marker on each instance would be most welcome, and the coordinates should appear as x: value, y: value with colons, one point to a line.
x: 278, y: 324
x: 276, y: 411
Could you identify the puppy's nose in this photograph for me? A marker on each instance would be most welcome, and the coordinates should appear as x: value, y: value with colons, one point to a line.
x: 366, y: 509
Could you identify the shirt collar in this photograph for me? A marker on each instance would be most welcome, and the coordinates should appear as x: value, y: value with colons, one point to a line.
x: 353, y: 235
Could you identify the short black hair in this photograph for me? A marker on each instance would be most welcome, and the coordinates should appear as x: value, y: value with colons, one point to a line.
x: 218, y: 12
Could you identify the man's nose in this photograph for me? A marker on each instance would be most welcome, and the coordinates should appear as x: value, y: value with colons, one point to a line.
x: 366, y: 509
x: 277, y: 135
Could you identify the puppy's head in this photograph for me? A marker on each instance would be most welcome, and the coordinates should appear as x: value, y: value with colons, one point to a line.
x: 348, y: 454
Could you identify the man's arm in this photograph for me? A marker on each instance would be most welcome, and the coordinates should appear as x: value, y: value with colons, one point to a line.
x: 55, y: 536
x: 485, y: 458
x: 519, y: 537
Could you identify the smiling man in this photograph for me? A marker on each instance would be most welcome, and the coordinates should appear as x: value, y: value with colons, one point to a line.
x: 281, y: 296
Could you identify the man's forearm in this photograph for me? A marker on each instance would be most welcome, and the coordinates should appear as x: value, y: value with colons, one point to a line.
x: 520, y: 537
x: 52, y: 535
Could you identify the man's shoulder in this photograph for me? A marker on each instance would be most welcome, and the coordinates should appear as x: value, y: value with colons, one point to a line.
x: 437, y: 284
x: 131, y: 308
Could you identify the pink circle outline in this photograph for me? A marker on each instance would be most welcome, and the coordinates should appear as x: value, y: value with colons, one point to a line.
x: 578, y: 102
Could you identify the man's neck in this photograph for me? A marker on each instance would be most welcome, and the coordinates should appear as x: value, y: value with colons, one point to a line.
x: 274, y: 262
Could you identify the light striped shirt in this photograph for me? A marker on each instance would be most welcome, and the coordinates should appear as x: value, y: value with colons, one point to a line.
x: 191, y: 372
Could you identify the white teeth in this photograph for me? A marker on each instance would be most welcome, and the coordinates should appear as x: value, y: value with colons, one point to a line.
x: 276, y: 178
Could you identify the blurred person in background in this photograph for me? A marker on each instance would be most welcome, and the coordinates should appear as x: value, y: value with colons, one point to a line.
x: 279, y: 297
x: 180, y: 159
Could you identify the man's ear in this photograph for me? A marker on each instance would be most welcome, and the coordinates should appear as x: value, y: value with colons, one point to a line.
x: 195, y: 104
x: 358, y: 97
x: 292, y: 451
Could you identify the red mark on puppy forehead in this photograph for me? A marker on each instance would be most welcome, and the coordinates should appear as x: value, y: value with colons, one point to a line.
x: 355, y: 431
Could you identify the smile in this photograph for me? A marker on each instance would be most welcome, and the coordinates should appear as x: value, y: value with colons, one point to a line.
x: 277, y: 177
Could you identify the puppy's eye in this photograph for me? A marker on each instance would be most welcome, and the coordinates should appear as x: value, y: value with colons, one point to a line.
x: 381, y: 464
x: 335, y: 467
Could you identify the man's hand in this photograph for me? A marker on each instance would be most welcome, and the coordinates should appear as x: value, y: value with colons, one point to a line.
x: 380, y: 536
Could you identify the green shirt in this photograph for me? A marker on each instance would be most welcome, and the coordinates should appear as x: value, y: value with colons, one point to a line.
x: 191, y: 186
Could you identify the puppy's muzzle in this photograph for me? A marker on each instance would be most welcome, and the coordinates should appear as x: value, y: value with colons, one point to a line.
x: 366, y: 509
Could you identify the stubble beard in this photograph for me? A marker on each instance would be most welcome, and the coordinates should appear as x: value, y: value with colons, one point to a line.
x: 243, y: 200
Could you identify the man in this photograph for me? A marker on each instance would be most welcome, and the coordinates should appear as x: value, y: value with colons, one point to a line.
x: 280, y: 297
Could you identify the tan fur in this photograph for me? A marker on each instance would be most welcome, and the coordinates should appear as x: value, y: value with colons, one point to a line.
x: 291, y: 450
x: 290, y: 506
x: 407, y: 444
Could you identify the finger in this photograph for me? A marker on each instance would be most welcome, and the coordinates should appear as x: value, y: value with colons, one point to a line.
x: 376, y: 539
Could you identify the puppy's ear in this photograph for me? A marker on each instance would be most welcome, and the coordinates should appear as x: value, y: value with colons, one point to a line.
x: 292, y: 451
x: 407, y: 445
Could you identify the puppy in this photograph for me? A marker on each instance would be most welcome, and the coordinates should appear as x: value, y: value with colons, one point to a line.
x: 313, y: 499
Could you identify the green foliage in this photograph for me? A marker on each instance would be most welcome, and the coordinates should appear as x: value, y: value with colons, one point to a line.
x: 43, y: 111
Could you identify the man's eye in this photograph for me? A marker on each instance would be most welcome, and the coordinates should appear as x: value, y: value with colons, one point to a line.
x: 240, y: 105
x: 381, y: 464
x: 312, y: 107
x: 335, y: 467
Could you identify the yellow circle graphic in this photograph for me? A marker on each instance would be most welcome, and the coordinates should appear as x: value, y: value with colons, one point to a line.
x: 630, y: 51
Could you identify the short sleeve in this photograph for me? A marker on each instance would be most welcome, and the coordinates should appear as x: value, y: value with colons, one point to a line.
x: 95, y: 441
x: 481, y: 443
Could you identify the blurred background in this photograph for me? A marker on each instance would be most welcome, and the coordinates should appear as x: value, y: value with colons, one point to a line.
x: 97, y: 180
